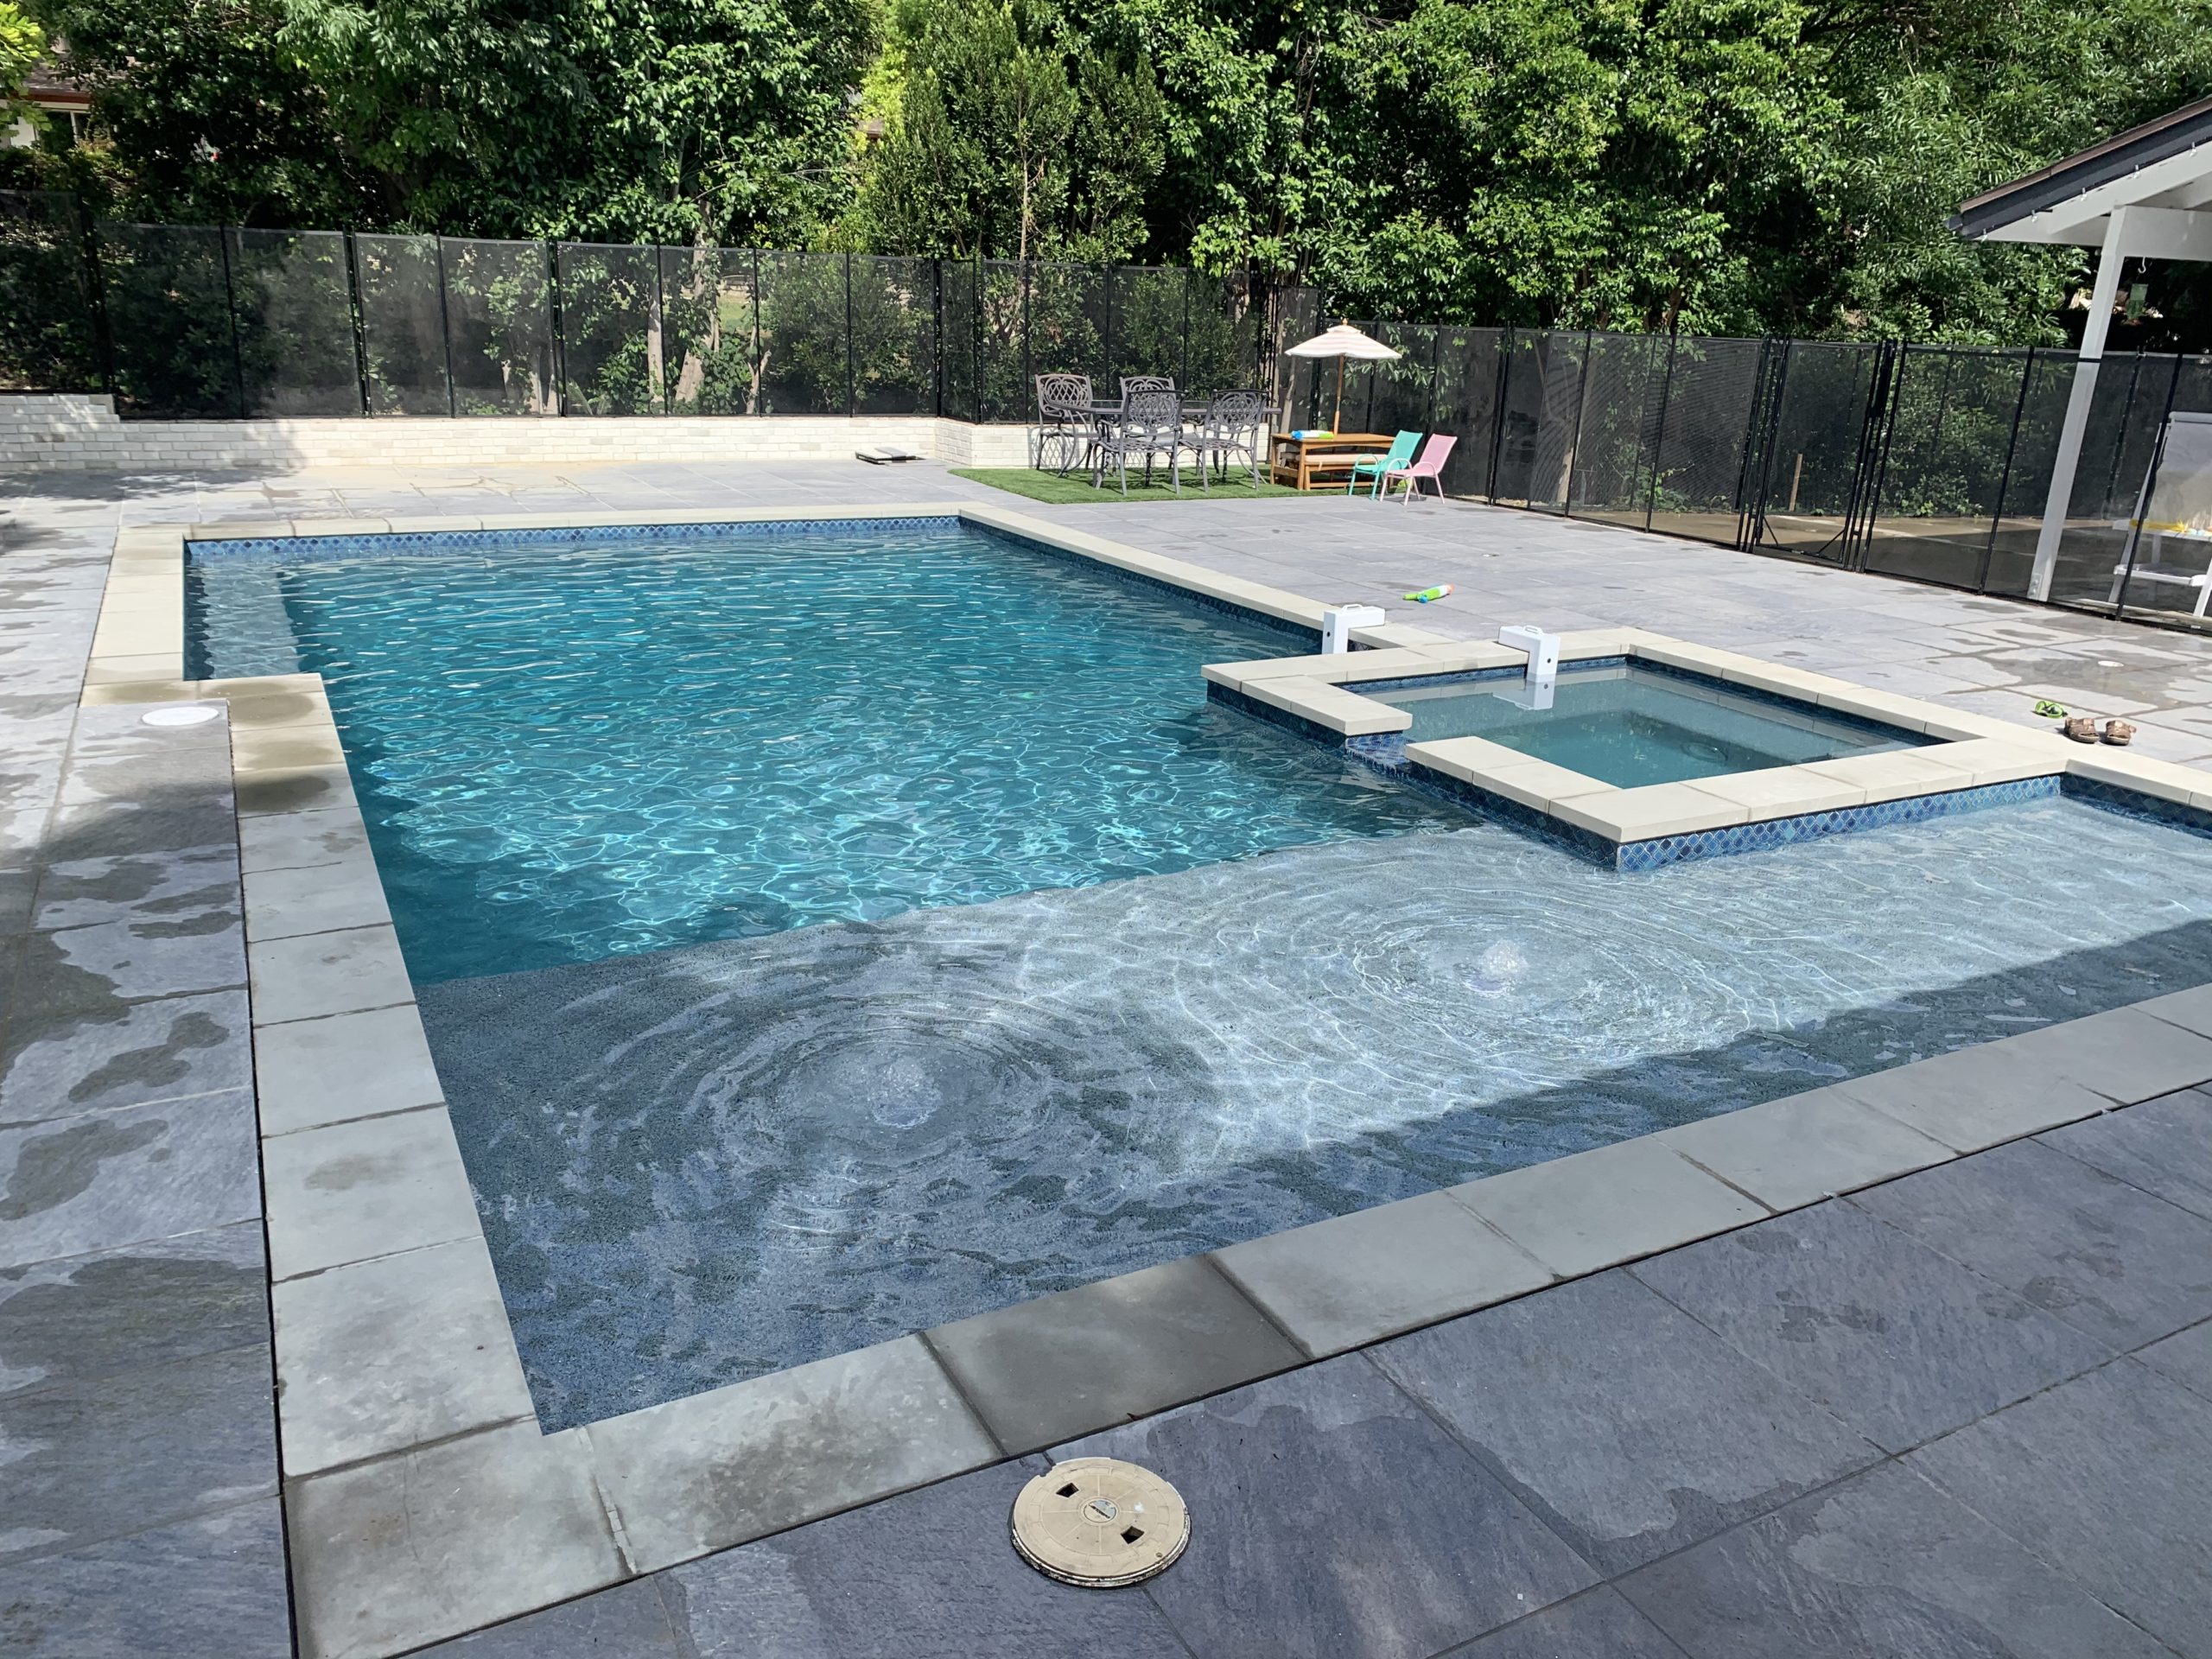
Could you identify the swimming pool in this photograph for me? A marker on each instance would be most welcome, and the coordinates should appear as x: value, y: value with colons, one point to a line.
x: 1019, y: 1017
x: 567, y: 751
x: 1631, y: 724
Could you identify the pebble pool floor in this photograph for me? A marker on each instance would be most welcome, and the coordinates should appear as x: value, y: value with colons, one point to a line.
x: 760, y: 1050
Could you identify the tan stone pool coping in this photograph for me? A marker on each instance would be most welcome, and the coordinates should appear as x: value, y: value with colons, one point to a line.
x: 421, y: 1499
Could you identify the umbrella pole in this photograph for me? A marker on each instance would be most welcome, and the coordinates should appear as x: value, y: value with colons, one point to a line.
x: 1337, y: 419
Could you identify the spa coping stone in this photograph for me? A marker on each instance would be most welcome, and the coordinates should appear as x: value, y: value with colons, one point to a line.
x: 425, y: 1502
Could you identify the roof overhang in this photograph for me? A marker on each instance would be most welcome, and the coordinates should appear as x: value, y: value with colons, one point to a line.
x: 2160, y: 173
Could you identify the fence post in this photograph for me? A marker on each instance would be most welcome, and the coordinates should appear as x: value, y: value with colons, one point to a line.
x: 852, y: 385
x: 96, y: 293
x: 445, y: 328
x: 1772, y: 383
x: 230, y: 312
x: 660, y: 334
x: 1575, y: 438
x: 2149, y: 482
x: 936, y: 337
x: 760, y: 392
x: 558, y: 317
x: 358, y: 317
x: 1659, y: 428
x: 1028, y: 365
x: 2004, y: 474
x: 1497, y: 406
x: 1892, y: 389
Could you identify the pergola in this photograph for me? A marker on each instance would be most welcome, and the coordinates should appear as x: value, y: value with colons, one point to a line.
x: 2145, y: 194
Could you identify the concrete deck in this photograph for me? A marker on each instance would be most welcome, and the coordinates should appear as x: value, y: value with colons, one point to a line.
x: 127, y: 1124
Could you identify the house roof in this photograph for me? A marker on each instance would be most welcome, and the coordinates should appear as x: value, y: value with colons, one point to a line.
x: 2165, y: 164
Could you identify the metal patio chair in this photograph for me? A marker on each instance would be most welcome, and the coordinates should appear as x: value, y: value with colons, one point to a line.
x: 1064, y: 422
x: 1147, y: 383
x: 1150, y: 423
x: 1230, y: 429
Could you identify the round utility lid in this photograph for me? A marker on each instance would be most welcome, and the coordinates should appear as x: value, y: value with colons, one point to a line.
x: 190, y: 713
x: 1100, y: 1522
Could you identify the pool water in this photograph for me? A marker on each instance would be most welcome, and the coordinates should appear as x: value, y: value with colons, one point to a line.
x: 566, y: 751
x: 1628, y: 726
x: 823, y: 935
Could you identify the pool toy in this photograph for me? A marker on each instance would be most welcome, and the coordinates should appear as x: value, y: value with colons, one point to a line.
x: 2050, y: 710
x: 1427, y: 593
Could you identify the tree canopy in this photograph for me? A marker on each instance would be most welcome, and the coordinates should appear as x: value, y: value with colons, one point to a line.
x: 1722, y: 165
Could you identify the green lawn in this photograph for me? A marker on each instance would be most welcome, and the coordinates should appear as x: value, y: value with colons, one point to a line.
x: 1076, y: 487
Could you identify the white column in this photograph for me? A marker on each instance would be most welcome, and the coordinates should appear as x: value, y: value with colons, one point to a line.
x: 2110, y: 258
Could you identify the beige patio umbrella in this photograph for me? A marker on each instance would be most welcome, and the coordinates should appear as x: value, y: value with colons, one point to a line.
x: 1340, y: 342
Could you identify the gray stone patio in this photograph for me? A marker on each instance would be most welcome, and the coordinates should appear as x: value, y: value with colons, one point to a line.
x: 1960, y: 1413
x: 1989, y: 1452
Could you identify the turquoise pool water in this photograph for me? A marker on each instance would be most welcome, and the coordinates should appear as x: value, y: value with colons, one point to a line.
x: 823, y: 936
x: 567, y: 752
x: 1628, y: 726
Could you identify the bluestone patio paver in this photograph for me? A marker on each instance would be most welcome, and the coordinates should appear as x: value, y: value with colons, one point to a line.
x: 285, y: 904
x: 1576, y: 1215
x: 289, y: 841
x: 1976, y: 1097
x: 344, y: 1065
x: 405, y: 1550
x: 386, y: 1354
x: 106, y: 1179
x: 2103, y: 1478
x: 2186, y: 1357
x: 1804, y: 1147
x: 106, y: 1456
x: 1883, y: 1564
x: 209, y: 1587
x: 1333, y: 1519
x: 1899, y: 1342
x: 84, y: 1317
x: 1599, y: 1623
x: 1063, y: 1366
x: 58, y: 1063
x: 627, y: 1622
x: 174, y: 885
x: 2164, y: 1146
x: 716, y: 1469
x: 353, y: 1191
x: 1627, y: 1426
x: 339, y: 972
x: 2106, y: 1257
x: 871, y: 1584
x: 1351, y: 1280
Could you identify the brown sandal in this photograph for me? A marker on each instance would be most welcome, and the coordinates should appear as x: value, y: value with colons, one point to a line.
x: 2081, y: 729
x: 2118, y: 732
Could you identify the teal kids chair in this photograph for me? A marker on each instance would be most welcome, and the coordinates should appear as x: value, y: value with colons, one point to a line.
x: 1401, y: 455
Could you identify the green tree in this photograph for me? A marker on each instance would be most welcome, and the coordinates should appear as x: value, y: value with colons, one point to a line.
x: 207, y: 115
x: 1015, y: 136
x: 616, y: 119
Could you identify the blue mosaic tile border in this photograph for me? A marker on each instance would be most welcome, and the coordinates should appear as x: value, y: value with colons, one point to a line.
x: 1583, y: 843
x: 1282, y: 717
x: 2174, y: 814
x: 1640, y: 855
x: 424, y: 543
x: 404, y: 544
